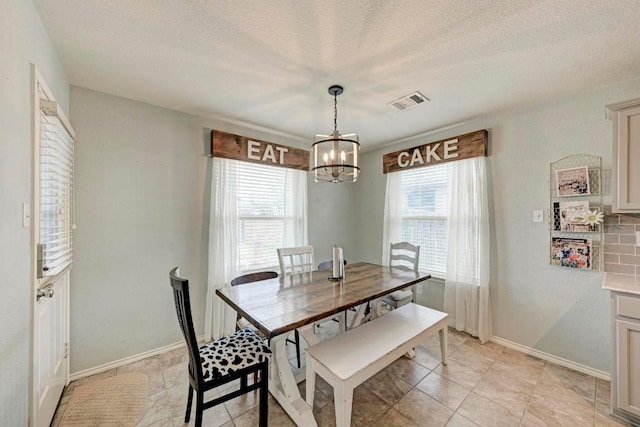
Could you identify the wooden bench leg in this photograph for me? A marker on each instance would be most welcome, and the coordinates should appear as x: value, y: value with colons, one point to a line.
x: 443, y: 344
x: 343, y: 400
x: 311, y: 382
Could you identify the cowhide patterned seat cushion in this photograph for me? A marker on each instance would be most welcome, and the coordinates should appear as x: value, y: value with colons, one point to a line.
x: 226, y: 355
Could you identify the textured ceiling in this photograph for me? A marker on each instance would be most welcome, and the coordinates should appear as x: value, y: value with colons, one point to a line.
x: 268, y: 63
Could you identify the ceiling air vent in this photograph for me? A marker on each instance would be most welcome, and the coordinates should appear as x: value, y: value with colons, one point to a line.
x: 409, y: 101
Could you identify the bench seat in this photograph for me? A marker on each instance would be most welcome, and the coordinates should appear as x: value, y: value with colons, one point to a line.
x: 348, y: 359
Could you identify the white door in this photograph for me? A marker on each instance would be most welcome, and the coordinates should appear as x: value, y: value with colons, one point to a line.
x: 50, y: 367
x: 51, y: 223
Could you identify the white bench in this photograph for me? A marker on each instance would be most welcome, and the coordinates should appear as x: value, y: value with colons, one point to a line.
x: 347, y: 360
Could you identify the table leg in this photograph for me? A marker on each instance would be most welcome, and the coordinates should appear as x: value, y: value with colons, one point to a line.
x: 361, y: 317
x: 283, y: 387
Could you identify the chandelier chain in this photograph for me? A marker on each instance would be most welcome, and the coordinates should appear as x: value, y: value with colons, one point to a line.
x: 335, y: 112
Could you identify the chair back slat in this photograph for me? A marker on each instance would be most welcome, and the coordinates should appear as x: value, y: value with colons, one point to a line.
x: 183, y: 310
x: 404, y: 253
x: 296, y: 260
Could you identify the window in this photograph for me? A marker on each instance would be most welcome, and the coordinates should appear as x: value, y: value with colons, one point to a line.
x: 424, y: 208
x: 267, y: 214
x: 56, y: 192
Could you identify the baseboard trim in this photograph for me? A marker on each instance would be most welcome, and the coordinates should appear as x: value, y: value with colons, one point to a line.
x: 515, y: 346
x: 551, y: 358
x: 118, y: 363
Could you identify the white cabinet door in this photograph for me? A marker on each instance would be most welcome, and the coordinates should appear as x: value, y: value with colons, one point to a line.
x: 626, y: 156
x: 628, y: 359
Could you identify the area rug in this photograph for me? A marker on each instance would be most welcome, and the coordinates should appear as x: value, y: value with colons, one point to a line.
x: 113, y: 401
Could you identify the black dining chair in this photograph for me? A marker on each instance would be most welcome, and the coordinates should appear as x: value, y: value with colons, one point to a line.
x: 328, y: 265
x: 221, y: 361
x: 249, y: 278
x: 256, y: 277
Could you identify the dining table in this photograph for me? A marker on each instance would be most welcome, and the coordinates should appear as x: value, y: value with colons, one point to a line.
x: 278, y: 306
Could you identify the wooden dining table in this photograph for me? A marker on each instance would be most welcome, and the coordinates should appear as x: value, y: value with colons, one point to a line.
x: 278, y: 306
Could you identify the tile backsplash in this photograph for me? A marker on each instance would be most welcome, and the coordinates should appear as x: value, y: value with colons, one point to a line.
x: 621, y: 255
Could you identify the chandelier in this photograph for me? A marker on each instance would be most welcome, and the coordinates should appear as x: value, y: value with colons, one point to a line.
x: 335, y: 156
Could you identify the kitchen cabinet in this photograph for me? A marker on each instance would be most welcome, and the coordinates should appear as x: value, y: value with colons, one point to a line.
x: 625, y: 118
x: 625, y: 340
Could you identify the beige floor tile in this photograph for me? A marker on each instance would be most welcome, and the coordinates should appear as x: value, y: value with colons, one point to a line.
x: 326, y: 415
x: 460, y: 374
x: 458, y: 338
x: 243, y: 403
x: 158, y: 408
x: 556, y: 405
x: 582, y: 384
x: 173, y: 357
x: 427, y: 358
x: 319, y: 398
x: 443, y: 390
x: 454, y: 340
x: 387, y: 386
x: 529, y: 374
x: 486, y: 413
x: 458, y: 420
x: 517, y: 358
x: 529, y: 420
x: 276, y: 418
x: 603, y: 391
x: 469, y: 356
x: 367, y: 407
x: 393, y: 418
x: 488, y: 349
x: 507, y: 391
x: 324, y: 387
x: 423, y: 409
x: 175, y: 374
x: 151, y: 368
x: 177, y: 400
x: 504, y: 383
x: 167, y: 422
x: 410, y: 371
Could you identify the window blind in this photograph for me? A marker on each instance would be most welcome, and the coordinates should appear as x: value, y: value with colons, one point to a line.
x: 56, y: 192
x: 425, y: 204
x: 265, y: 214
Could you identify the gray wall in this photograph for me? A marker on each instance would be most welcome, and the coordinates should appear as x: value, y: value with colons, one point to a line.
x: 22, y: 41
x: 142, y: 207
x: 558, y: 311
x: 134, y: 159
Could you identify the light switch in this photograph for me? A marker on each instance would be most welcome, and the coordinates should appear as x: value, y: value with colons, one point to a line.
x: 637, y: 238
x: 538, y: 216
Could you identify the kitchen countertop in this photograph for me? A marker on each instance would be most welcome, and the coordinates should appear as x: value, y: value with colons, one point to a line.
x: 621, y: 283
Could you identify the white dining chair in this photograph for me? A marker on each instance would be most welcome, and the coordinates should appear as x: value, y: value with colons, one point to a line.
x: 406, y: 254
x: 294, y: 260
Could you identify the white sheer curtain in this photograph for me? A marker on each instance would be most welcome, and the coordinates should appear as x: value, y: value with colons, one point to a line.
x: 467, y: 277
x: 392, y: 227
x: 223, y: 246
x: 224, y: 232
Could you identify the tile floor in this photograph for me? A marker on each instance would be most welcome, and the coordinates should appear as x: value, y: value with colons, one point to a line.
x: 483, y: 385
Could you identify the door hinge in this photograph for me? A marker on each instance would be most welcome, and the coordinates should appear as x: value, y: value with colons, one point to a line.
x: 66, y: 350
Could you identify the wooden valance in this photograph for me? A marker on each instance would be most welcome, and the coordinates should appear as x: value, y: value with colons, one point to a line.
x: 238, y: 147
x: 461, y: 147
